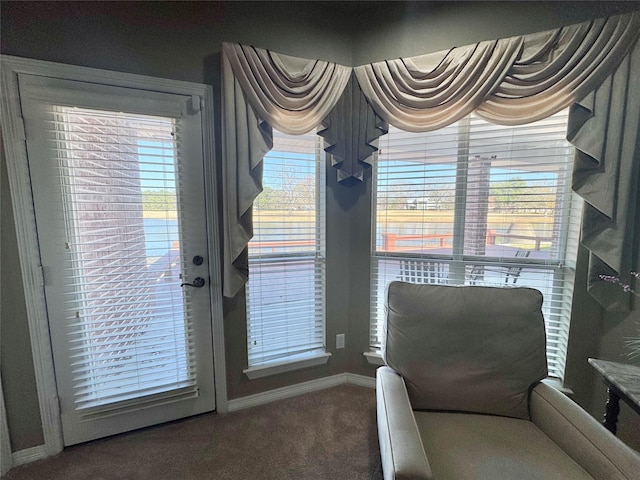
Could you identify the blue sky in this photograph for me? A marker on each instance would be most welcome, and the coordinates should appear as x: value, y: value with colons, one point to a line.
x: 157, y: 165
x: 292, y: 164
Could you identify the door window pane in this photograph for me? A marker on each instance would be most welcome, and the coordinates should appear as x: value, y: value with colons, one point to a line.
x: 126, y: 321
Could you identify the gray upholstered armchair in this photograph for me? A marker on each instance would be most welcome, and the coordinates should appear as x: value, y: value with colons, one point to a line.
x: 461, y: 397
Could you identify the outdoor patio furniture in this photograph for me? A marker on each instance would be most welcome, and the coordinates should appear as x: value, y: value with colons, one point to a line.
x: 511, y: 273
x: 423, y: 271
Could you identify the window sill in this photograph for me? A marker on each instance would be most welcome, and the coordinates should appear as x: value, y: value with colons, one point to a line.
x: 374, y: 357
x: 557, y: 384
x: 295, y: 362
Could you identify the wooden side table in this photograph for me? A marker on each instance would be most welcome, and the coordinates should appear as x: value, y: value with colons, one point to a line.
x: 623, y: 382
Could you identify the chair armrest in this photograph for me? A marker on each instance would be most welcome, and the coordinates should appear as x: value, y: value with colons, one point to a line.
x: 401, y: 449
x: 587, y: 442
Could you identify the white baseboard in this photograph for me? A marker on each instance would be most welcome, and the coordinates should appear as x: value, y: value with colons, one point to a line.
x: 28, y: 455
x: 299, y: 389
x: 361, y: 380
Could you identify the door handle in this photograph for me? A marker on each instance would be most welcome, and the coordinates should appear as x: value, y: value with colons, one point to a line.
x: 198, y: 282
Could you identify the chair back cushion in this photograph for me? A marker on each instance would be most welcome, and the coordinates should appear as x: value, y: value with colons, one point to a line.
x: 466, y: 348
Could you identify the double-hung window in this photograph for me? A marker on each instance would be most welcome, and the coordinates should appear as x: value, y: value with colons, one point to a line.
x: 478, y: 204
x: 285, y: 293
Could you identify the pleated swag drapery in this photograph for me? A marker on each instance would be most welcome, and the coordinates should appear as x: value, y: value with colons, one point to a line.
x: 508, y: 81
x: 605, y: 129
x: 263, y: 90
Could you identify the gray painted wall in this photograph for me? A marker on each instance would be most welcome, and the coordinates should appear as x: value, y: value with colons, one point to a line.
x: 181, y: 40
x: 18, y: 377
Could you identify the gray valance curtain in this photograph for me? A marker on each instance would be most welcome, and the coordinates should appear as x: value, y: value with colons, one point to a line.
x: 508, y: 81
x: 263, y: 90
x: 292, y: 94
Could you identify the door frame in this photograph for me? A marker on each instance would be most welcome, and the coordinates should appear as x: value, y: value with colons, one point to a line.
x: 26, y: 232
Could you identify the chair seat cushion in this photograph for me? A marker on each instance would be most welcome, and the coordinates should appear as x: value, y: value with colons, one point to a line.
x: 471, y: 446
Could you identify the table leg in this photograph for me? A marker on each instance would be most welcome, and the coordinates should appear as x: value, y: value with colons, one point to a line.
x: 612, y: 410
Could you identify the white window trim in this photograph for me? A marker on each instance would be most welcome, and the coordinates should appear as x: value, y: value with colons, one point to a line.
x: 374, y: 357
x: 28, y: 251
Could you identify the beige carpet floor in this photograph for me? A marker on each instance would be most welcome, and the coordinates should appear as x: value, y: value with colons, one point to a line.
x: 330, y: 434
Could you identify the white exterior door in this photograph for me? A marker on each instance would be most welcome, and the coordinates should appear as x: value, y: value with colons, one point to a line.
x: 118, y: 189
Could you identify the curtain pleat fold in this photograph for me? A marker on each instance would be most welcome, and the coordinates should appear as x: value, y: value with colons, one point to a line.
x: 553, y: 75
x: 292, y: 94
x: 605, y: 129
x: 263, y: 90
x: 247, y: 139
x: 429, y: 92
x: 351, y: 133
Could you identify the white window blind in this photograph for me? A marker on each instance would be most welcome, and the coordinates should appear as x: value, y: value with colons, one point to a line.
x: 285, y: 292
x: 479, y: 204
x: 128, y: 323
